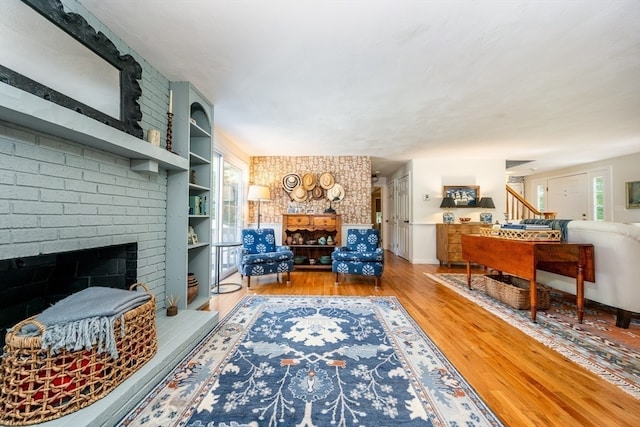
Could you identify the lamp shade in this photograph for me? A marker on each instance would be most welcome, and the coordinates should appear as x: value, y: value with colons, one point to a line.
x: 487, y: 202
x: 258, y: 192
x: 448, y: 202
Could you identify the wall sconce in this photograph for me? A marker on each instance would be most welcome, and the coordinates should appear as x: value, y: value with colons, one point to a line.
x: 258, y: 193
x: 448, y: 203
x: 487, y: 203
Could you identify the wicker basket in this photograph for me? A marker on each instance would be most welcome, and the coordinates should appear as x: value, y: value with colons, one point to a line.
x: 36, y: 386
x: 514, y: 291
x: 528, y: 235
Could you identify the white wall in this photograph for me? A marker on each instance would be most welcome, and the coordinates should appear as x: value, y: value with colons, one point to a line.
x: 623, y: 169
x: 429, y: 175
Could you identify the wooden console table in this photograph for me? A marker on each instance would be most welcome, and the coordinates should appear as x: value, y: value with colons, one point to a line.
x: 312, y: 228
x: 522, y: 258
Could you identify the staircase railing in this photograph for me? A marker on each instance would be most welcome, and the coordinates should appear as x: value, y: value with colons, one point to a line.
x: 519, y: 208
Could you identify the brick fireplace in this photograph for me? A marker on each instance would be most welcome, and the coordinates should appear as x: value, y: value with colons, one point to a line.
x: 31, y: 284
x: 59, y: 196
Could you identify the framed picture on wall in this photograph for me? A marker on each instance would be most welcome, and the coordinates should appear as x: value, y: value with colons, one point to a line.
x: 633, y: 194
x: 465, y: 196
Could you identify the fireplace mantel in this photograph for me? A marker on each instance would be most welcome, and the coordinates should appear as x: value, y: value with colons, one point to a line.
x: 25, y: 109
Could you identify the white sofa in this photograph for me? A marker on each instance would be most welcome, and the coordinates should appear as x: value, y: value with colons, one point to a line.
x: 617, y: 266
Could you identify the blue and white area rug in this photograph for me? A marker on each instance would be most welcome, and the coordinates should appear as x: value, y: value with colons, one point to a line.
x: 314, y: 361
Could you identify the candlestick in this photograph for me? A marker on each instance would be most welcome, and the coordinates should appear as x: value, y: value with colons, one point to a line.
x: 171, y: 101
x: 169, y: 126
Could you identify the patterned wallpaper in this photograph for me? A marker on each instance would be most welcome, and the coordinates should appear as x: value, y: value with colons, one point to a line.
x: 352, y: 172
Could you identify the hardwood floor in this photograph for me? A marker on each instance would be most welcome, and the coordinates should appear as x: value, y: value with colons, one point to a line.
x: 522, y: 381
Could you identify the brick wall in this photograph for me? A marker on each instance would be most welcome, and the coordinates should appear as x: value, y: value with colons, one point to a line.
x: 58, y: 196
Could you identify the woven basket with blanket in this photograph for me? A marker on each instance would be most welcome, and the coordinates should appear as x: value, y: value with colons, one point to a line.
x: 74, y: 353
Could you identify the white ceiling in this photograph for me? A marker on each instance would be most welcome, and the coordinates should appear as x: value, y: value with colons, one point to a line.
x: 554, y: 81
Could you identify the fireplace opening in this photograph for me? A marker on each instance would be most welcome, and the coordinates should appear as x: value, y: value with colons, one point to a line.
x: 29, y: 285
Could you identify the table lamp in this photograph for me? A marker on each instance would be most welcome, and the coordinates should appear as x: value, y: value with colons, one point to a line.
x: 487, y: 203
x: 258, y: 193
x: 448, y: 203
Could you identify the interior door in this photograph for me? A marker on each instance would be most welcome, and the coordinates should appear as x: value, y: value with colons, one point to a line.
x: 404, y: 226
x: 568, y: 196
x: 391, y: 220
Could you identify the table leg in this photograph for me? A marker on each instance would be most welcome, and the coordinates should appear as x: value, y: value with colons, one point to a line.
x: 533, y: 298
x: 218, y: 257
x: 228, y: 287
x: 469, y: 275
x: 580, y: 292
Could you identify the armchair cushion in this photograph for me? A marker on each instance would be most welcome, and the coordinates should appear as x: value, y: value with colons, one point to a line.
x: 344, y: 254
x: 365, y: 240
x: 260, y: 240
x: 283, y: 254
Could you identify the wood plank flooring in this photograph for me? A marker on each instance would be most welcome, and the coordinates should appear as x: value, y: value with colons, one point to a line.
x: 522, y: 381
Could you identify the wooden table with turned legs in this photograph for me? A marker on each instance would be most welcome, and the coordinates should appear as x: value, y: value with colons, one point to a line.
x: 523, y: 257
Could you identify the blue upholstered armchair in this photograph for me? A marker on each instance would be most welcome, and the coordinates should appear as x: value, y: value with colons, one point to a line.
x: 362, y: 255
x: 259, y: 255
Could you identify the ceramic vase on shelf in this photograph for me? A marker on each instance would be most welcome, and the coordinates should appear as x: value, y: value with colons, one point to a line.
x: 192, y: 288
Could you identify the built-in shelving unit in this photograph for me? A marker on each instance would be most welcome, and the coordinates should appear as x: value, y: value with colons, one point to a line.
x: 189, y: 196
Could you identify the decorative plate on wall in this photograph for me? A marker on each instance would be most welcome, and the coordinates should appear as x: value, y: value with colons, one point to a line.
x: 290, y: 181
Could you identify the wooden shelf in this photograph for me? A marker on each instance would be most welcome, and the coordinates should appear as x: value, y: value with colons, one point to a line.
x: 312, y: 227
x: 317, y: 266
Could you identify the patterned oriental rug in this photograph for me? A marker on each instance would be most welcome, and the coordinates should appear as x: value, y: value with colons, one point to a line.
x: 597, y: 344
x: 314, y: 361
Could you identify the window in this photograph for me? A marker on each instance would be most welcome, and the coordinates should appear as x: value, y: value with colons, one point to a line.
x: 226, y: 212
x: 598, y: 198
x: 540, y: 197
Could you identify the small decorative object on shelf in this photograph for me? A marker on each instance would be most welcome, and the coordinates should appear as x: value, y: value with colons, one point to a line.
x: 170, y: 121
x: 153, y: 136
x: 487, y: 203
x: 448, y: 203
x: 169, y: 126
x: 192, y: 237
x: 192, y: 287
x: 330, y: 210
x: 192, y: 176
x: 172, y: 306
